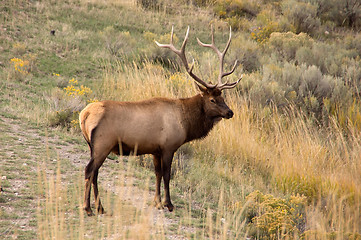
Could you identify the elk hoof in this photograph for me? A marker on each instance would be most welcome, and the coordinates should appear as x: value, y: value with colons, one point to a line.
x: 158, y: 202
x: 169, y: 206
x: 89, y: 212
x: 158, y: 205
x: 101, y: 210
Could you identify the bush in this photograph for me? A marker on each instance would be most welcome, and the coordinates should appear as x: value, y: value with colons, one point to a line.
x: 118, y: 44
x: 22, y: 67
x: 67, y: 103
x: 240, y: 8
x: 330, y: 58
x: 303, y: 16
x: 320, y: 96
x: 353, y: 42
x: 149, y: 4
x: 153, y: 53
x: 343, y: 13
x: 266, y: 23
x: 269, y: 217
x: 238, y: 23
x: 262, y: 34
x: 247, y: 52
x: 201, y: 3
x: 287, y: 44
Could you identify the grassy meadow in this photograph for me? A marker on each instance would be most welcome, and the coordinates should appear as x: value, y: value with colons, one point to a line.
x: 286, y: 166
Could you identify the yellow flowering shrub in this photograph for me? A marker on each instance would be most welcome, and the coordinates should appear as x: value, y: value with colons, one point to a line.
x: 149, y: 36
x: 73, y: 89
x: 70, y: 100
x: 91, y: 100
x: 74, y: 124
x: 262, y: 34
x: 270, y: 217
x: 20, y: 66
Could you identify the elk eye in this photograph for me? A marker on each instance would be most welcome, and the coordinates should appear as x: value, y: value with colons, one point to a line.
x: 213, y: 101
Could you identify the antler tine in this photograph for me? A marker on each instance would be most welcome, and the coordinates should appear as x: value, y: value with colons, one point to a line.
x: 230, y: 85
x: 233, y: 68
x: 221, y: 55
x: 181, y: 54
x: 229, y: 40
x: 212, y: 45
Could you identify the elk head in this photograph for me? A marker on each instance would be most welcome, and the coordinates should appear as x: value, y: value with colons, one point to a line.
x: 214, y: 104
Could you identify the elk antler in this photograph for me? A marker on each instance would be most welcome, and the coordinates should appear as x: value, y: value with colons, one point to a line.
x: 221, y: 55
x: 181, y: 54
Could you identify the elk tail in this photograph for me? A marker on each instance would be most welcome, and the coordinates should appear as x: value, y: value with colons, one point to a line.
x: 82, y: 119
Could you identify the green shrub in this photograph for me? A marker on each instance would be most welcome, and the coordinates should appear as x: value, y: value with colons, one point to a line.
x: 118, y: 44
x: 62, y: 118
x: 152, y: 53
x: 287, y: 44
x: 302, y: 15
x: 322, y: 97
x: 240, y: 8
x: 329, y: 58
x: 237, y: 23
x: 247, y: 52
x: 353, y: 42
x: 345, y: 13
x: 149, y: 4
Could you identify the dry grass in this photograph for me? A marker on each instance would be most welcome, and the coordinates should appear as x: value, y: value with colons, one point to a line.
x: 130, y: 214
x: 286, y: 153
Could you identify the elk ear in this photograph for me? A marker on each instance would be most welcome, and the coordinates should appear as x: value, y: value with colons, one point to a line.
x: 202, y: 89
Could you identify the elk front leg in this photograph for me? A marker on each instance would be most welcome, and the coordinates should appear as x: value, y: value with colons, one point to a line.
x: 167, y: 159
x: 158, y: 174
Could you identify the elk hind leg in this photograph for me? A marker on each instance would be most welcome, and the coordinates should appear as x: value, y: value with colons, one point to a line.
x: 167, y: 159
x: 98, y: 203
x: 91, y: 177
x: 88, y: 181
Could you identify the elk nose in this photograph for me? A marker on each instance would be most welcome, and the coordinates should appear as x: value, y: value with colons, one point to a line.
x: 230, y: 114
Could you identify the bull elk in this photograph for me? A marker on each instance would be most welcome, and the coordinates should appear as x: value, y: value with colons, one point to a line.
x: 158, y: 126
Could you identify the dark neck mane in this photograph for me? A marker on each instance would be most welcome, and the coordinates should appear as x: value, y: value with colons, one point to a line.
x: 195, y: 121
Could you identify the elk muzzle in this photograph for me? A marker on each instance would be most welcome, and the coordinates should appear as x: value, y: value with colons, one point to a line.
x: 229, y: 114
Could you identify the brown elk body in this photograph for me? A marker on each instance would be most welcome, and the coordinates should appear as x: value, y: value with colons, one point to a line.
x: 157, y: 126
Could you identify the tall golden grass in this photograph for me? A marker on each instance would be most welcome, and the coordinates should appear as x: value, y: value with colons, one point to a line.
x: 287, y: 153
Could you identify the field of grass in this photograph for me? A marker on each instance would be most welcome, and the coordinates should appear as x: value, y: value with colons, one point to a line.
x: 286, y: 166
